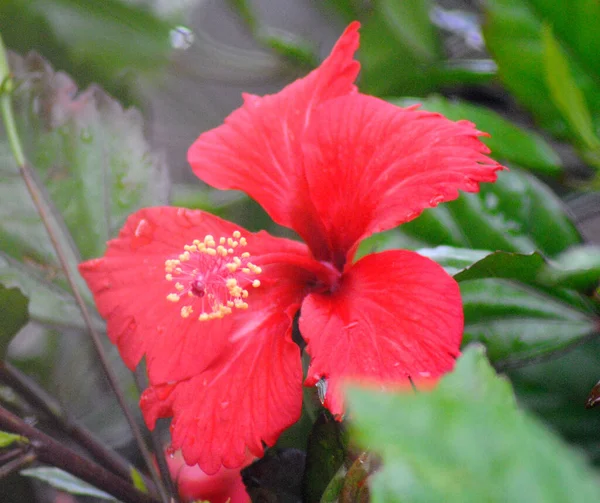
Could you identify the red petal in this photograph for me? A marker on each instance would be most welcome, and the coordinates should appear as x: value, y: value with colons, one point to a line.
x: 248, y: 396
x: 258, y: 149
x: 371, y: 165
x: 195, y: 485
x: 130, y: 290
x: 396, y: 315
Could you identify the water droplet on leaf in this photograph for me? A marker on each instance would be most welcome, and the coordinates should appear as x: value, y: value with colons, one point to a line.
x: 181, y: 37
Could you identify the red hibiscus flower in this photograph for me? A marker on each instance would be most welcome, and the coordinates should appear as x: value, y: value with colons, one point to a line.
x: 225, y: 486
x: 211, y: 306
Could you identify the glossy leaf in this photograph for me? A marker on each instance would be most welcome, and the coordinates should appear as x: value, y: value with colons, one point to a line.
x: 507, y: 141
x: 557, y: 390
x: 483, y: 448
x: 491, y: 220
x: 517, y: 321
x: 513, y: 33
x: 326, y: 451
x: 577, y: 267
x: 65, y: 482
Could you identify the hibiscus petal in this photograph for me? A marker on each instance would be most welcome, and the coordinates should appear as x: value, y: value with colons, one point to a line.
x: 130, y: 289
x: 371, y: 165
x: 396, y: 315
x: 257, y: 149
x: 246, y: 397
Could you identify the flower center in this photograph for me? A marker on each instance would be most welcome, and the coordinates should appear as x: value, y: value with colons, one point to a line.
x: 211, y: 279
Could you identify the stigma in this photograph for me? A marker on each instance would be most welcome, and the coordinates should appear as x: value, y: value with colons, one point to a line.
x: 211, y: 277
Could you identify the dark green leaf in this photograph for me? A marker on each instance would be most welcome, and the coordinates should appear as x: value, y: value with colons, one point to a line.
x: 466, y: 441
x: 577, y: 268
x: 557, y: 390
x: 517, y: 321
x: 276, y: 477
x: 13, y: 314
x: 400, y: 49
x: 65, y: 482
x: 513, y: 33
x: 507, y: 141
x: 491, y: 220
x: 465, y: 264
x: 48, y: 303
x: 325, y: 454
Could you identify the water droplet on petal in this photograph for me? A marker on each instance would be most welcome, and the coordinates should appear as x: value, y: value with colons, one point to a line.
x: 181, y: 38
x: 434, y: 201
x: 170, y: 451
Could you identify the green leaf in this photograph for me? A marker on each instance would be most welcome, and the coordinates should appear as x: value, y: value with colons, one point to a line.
x: 466, y: 441
x: 465, y: 264
x: 325, y: 454
x: 13, y: 314
x: 518, y: 322
x: 514, y: 35
x: 557, y: 390
x: 490, y: 220
x: 564, y: 92
x: 138, y: 480
x: 94, y: 168
x: 507, y: 141
x: 577, y: 268
x: 48, y: 303
x: 65, y: 482
x: 109, y: 42
x: 90, y: 153
x: 400, y: 48
x: 7, y: 439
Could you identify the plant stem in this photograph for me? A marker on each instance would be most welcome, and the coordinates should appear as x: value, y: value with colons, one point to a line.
x: 49, y: 451
x: 37, y: 199
x: 39, y: 399
x: 17, y: 464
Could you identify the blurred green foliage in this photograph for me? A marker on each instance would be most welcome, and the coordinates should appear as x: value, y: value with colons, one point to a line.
x: 481, y: 448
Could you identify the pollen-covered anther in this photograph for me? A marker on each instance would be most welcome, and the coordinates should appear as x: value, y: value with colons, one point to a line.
x: 213, y: 276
